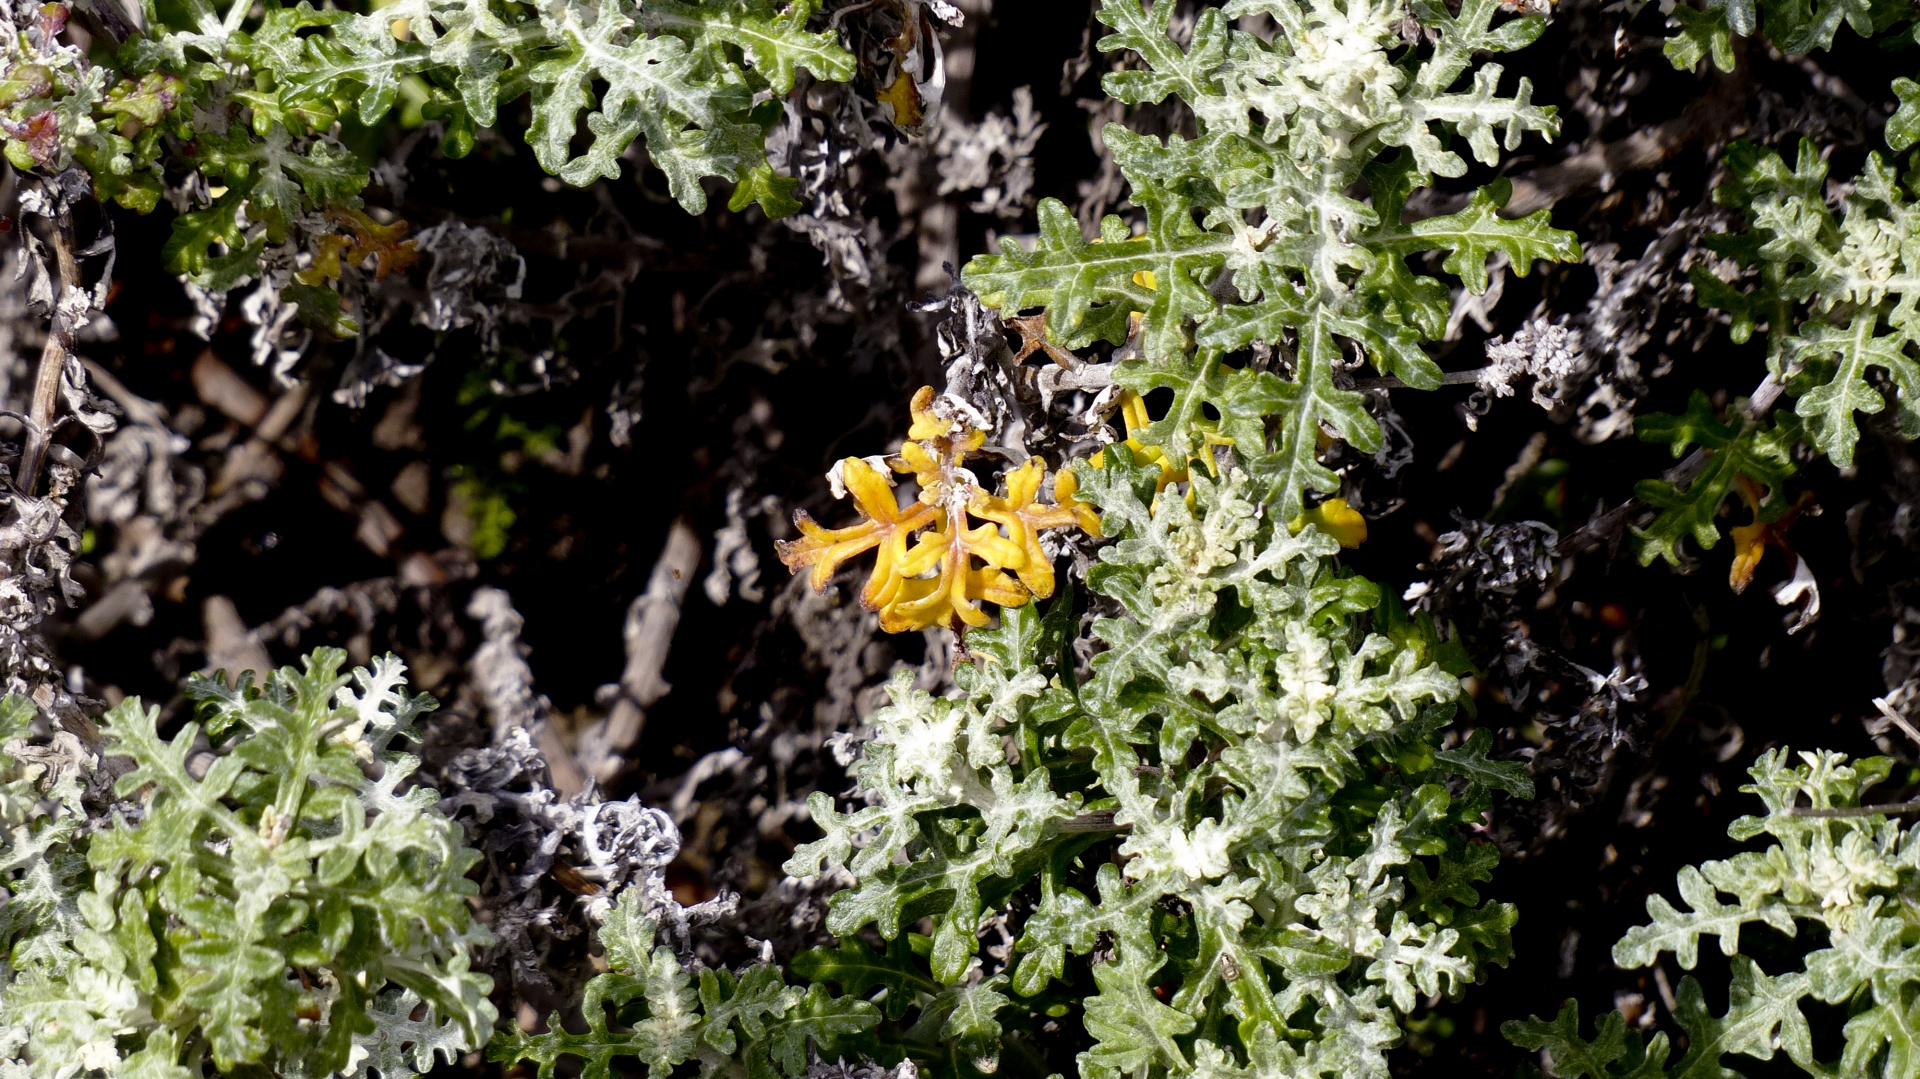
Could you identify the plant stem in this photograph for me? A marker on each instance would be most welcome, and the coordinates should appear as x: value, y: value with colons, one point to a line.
x: 1450, y: 378
x: 1089, y: 822
x: 1889, y: 809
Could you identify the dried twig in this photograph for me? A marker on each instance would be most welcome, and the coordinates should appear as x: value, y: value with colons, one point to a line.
x: 505, y: 682
x: 1450, y: 378
x: 651, y: 622
x: 1893, y: 716
x: 53, y: 359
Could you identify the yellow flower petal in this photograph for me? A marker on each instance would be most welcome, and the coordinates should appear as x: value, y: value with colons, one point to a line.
x: 1336, y: 519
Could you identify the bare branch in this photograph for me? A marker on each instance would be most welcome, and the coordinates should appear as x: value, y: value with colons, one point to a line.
x: 651, y: 622
x: 53, y: 359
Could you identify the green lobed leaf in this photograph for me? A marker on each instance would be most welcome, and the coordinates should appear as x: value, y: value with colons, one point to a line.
x: 1796, y: 27
x: 1568, y: 1055
x: 1760, y: 450
x: 294, y: 849
x: 1244, y: 240
x: 1836, y: 287
x: 1838, y: 876
x: 251, y: 102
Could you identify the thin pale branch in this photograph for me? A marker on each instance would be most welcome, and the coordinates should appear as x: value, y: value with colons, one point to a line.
x: 53, y: 360
x: 1889, y: 809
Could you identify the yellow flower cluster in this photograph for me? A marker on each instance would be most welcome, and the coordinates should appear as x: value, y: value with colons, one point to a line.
x: 933, y: 565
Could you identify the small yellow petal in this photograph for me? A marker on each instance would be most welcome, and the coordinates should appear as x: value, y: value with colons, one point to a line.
x: 1133, y: 410
x: 1749, y: 547
x: 1336, y: 519
x: 925, y: 424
